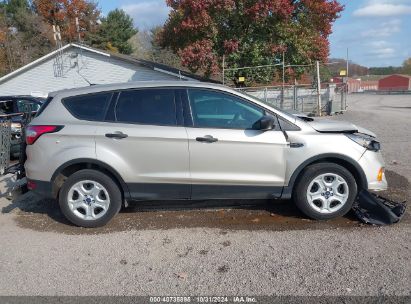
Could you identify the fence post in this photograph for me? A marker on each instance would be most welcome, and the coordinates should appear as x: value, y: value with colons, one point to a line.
x: 344, y: 90
x: 265, y: 94
x: 295, y: 98
x: 330, y: 98
x: 318, y: 89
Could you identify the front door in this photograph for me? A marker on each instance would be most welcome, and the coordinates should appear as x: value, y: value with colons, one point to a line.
x: 144, y: 140
x: 229, y: 158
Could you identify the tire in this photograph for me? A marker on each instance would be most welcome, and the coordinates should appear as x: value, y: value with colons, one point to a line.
x: 325, y: 191
x: 89, y: 198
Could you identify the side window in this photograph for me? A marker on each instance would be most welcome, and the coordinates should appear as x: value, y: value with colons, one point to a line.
x: 88, y: 107
x: 147, y: 106
x: 212, y: 109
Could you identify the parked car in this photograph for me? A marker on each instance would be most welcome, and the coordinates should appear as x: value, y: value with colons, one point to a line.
x: 96, y: 148
x: 14, y: 107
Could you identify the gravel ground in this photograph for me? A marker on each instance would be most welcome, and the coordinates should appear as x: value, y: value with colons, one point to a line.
x: 253, y: 250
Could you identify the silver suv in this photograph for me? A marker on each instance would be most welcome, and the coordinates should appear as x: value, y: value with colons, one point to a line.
x: 96, y: 148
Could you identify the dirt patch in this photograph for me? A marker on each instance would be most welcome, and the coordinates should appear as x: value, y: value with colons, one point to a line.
x: 44, y: 215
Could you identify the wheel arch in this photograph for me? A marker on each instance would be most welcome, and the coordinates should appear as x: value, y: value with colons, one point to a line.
x: 345, y: 161
x: 68, y: 168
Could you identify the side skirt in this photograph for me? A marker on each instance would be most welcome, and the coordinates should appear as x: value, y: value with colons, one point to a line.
x: 149, y: 191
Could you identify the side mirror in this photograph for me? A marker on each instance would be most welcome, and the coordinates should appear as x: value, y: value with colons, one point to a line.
x: 266, y: 123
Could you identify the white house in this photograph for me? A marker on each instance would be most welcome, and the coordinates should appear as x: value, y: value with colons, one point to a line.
x: 77, y: 66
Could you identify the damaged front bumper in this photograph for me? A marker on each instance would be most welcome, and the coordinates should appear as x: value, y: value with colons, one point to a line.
x: 373, y: 166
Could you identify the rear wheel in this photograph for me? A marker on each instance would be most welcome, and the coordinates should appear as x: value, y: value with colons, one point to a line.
x: 325, y: 191
x: 89, y: 198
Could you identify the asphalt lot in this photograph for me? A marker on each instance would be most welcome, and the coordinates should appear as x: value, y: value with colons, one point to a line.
x: 175, y: 249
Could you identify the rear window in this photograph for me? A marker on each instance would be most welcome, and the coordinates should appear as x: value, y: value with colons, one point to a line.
x: 88, y: 107
x: 148, y: 106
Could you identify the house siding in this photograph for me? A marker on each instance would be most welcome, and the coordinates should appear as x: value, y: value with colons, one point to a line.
x: 77, y: 66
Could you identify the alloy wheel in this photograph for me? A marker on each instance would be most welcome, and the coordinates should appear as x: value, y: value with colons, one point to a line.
x: 327, y: 193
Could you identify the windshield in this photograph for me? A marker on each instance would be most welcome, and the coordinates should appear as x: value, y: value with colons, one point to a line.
x: 24, y: 105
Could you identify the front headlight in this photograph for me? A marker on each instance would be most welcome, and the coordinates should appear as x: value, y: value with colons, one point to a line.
x: 16, y: 127
x: 364, y: 140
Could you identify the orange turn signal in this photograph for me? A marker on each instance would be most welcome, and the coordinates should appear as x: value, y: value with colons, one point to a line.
x: 380, y: 174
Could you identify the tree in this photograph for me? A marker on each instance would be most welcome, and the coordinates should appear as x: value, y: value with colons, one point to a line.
x: 13, y: 6
x: 339, y: 64
x: 24, y: 36
x: 384, y: 70
x: 114, y: 33
x: 64, y: 13
x: 249, y: 33
x: 406, y: 66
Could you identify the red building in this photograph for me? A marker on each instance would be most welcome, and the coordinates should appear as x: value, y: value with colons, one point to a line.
x: 395, y: 83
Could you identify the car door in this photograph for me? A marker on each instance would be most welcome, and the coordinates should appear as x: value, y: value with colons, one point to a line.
x: 229, y: 157
x: 144, y: 139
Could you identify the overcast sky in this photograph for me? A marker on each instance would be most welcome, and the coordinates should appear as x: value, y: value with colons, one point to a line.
x: 376, y: 32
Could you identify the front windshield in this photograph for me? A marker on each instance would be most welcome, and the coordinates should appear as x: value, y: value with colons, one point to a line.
x: 285, y: 113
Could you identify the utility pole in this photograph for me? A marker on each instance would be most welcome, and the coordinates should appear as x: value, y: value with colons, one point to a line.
x: 282, y: 91
x: 223, y: 69
x: 347, y: 63
x: 318, y: 89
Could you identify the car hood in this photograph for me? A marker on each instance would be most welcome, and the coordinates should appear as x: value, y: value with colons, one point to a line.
x: 334, y: 126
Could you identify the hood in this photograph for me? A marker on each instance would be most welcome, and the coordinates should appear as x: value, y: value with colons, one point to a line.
x: 335, y: 126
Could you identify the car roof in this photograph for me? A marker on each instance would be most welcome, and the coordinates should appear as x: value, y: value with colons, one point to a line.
x: 136, y: 85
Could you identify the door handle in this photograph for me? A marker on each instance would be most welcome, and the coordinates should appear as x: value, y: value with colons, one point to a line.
x: 116, y: 135
x: 207, y: 139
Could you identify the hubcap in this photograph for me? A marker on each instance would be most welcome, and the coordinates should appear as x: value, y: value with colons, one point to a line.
x: 327, y: 193
x: 88, y: 200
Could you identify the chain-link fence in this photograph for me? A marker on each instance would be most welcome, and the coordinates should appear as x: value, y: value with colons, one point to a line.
x: 5, y: 143
x: 302, y: 98
x: 12, y: 141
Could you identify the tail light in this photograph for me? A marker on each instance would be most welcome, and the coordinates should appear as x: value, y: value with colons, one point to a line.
x: 34, y: 132
x: 31, y: 185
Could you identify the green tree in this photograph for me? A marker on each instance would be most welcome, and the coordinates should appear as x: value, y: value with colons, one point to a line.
x: 249, y: 33
x: 406, y: 66
x: 114, y: 33
x: 24, y: 36
x: 14, y: 6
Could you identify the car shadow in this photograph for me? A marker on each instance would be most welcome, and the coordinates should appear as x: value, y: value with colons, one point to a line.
x: 36, y: 213
x: 32, y: 212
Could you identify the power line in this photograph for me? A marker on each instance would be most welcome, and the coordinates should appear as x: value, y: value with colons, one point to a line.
x: 254, y: 67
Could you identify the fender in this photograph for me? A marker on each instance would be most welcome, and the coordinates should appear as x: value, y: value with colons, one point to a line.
x: 359, y: 174
x: 95, y: 162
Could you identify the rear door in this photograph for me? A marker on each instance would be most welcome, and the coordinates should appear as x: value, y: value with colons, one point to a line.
x: 144, y: 139
x: 229, y: 158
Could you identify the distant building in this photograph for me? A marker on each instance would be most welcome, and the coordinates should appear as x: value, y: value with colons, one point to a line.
x: 75, y: 66
x: 357, y: 85
x: 369, y: 85
x: 395, y: 83
x: 354, y: 85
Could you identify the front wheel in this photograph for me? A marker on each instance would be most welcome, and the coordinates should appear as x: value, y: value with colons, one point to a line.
x: 89, y: 198
x: 325, y: 191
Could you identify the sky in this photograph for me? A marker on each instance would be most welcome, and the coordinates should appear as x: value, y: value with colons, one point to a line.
x: 376, y: 32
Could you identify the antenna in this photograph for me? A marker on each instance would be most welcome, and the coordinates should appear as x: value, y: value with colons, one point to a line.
x: 78, y: 31
x: 58, y: 60
x: 90, y: 84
